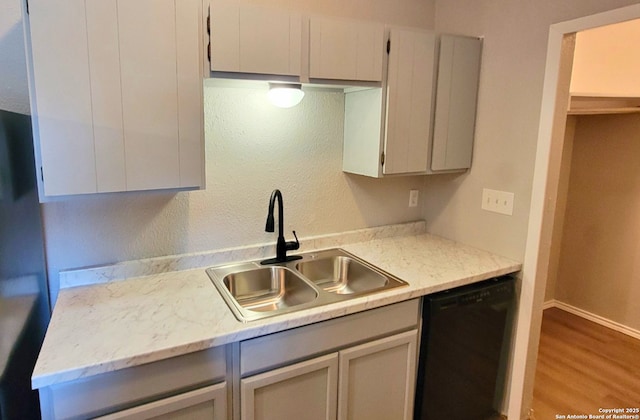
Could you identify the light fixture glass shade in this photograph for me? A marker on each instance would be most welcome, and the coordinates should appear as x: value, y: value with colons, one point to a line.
x: 285, y: 95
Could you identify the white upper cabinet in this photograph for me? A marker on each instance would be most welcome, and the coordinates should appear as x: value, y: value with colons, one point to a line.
x: 409, y: 98
x: 249, y: 38
x: 62, y: 108
x: 345, y: 49
x: 386, y: 130
x: 422, y: 120
x: 455, y: 107
x: 116, y: 94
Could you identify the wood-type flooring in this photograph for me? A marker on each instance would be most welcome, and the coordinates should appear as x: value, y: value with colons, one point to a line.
x: 584, y: 368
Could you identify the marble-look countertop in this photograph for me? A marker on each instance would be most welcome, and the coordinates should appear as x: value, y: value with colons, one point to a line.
x: 114, y: 325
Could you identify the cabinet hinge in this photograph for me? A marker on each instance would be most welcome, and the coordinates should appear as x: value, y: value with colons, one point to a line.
x: 388, y: 45
x: 41, y: 174
x: 382, y: 159
x: 27, y: 6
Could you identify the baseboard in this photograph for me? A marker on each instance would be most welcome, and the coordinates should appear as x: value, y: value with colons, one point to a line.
x: 554, y: 303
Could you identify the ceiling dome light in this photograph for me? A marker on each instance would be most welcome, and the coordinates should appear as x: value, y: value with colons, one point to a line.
x: 285, y: 95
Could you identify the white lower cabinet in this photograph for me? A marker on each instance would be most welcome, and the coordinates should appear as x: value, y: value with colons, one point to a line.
x: 371, y: 381
x: 349, y: 372
x: 193, y: 386
x: 377, y: 379
x: 202, y: 404
x: 359, y: 366
x: 305, y: 390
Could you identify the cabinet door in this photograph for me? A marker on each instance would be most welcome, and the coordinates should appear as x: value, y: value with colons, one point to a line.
x: 345, y: 49
x: 249, y: 38
x: 305, y: 390
x: 106, y: 96
x: 456, y: 97
x: 209, y: 403
x: 410, y: 82
x: 118, y: 94
x: 377, y: 379
x: 363, y: 147
x: 61, y: 106
x: 159, y: 46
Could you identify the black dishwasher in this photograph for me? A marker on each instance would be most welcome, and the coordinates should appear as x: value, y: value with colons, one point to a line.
x: 463, y: 351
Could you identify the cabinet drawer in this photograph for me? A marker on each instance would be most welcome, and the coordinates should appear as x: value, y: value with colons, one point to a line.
x: 122, y: 389
x: 199, y: 404
x: 262, y: 353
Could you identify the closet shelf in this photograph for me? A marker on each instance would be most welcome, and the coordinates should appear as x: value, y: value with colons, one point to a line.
x: 600, y: 104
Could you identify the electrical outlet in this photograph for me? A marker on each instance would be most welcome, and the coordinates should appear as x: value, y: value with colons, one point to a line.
x: 413, y: 198
x: 498, y: 201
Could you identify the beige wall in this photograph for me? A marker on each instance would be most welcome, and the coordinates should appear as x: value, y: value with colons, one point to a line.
x: 607, y: 60
x: 513, y: 64
x: 560, y: 210
x: 599, y: 268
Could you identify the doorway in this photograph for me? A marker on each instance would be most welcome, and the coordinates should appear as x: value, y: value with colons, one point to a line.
x: 544, y: 198
x: 592, y: 277
x: 596, y: 229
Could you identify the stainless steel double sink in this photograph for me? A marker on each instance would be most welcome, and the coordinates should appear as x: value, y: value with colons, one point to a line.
x: 255, y: 291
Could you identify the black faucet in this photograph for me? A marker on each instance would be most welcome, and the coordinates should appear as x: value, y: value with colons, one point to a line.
x: 282, y: 246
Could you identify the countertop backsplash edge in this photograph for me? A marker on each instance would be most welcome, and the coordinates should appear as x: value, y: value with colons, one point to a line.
x: 157, y: 265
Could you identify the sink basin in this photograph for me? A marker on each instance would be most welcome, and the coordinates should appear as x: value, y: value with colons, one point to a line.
x: 254, y: 291
x: 343, y: 275
x: 268, y: 289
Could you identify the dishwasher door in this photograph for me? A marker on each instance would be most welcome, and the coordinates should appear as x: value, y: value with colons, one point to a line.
x: 463, y: 351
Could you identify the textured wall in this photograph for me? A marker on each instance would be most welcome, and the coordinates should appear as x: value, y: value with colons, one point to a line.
x: 251, y: 148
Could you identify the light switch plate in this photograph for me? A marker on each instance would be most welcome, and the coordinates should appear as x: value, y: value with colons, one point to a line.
x: 498, y: 201
x: 413, y: 198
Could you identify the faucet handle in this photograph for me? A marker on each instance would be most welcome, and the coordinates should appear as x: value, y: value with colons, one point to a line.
x: 293, y: 245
